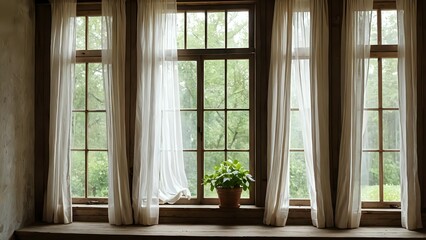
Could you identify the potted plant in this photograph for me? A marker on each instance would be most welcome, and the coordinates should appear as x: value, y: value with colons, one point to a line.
x: 229, y: 179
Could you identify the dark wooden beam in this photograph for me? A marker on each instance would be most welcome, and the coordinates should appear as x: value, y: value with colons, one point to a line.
x: 42, y: 98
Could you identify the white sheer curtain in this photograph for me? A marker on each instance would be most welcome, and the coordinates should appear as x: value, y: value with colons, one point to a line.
x: 355, y: 59
x: 407, y: 76
x: 299, y: 57
x: 113, y: 62
x: 159, y: 174
x: 58, y: 205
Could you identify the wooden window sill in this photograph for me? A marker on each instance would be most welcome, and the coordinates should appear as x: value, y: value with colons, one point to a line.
x: 105, y: 231
x: 246, y: 215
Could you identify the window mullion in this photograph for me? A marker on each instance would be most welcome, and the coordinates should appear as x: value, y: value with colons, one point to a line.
x: 380, y: 102
x: 200, y: 119
x: 86, y: 120
x: 226, y: 109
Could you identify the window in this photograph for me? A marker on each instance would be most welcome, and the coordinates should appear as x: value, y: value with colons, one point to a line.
x: 299, y: 194
x: 300, y: 69
x: 89, y: 160
x: 381, y: 134
x: 216, y: 62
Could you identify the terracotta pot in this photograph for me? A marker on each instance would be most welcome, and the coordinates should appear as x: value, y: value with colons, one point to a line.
x: 229, y: 197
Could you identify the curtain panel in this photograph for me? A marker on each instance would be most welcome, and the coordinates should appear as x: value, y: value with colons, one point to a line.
x: 57, y: 202
x: 159, y: 174
x: 113, y: 63
x: 299, y: 62
x: 407, y: 78
x: 357, y: 16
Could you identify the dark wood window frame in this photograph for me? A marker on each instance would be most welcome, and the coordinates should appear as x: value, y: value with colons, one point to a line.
x: 86, y: 57
x: 199, y: 56
x: 263, y: 27
x: 380, y: 51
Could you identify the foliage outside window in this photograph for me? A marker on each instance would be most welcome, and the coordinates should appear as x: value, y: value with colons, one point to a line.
x: 381, y: 135
x: 215, y: 74
x: 89, y: 160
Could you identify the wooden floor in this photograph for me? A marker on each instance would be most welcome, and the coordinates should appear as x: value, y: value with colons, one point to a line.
x: 104, y: 231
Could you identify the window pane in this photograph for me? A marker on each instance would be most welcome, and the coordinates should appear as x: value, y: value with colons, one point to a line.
x: 371, y: 132
x: 96, y: 130
x: 77, y: 173
x: 298, y: 180
x: 79, y: 100
x: 211, y: 159
x: 301, y: 32
x: 294, y: 101
x: 392, y: 187
x: 94, y: 33
x: 390, y: 83
x: 190, y: 159
x: 373, y: 33
x: 97, y: 174
x: 238, y: 84
x: 389, y: 27
x: 214, y: 84
x: 189, y: 129
x: 180, y: 18
x: 391, y: 134
x: 80, y: 33
x: 238, y: 29
x: 370, y: 176
x: 372, y: 89
x: 238, y: 130
x: 188, y: 84
x: 195, y: 30
x: 214, y: 130
x: 78, y: 128
x: 215, y: 29
x: 96, y: 92
x: 244, y: 158
x: 296, y: 137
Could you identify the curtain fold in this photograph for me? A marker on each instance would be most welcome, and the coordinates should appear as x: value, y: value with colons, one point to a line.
x: 355, y: 58
x: 113, y: 63
x: 299, y: 57
x: 319, y: 164
x: 58, y: 204
x: 277, y: 190
x: 159, y: 174
x: 407, y: 77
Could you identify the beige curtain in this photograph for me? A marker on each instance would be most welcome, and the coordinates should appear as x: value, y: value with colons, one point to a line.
x: 113, y: 62
x: 57, y: 204
x: 299, y: 56
x: 355, y: 58
x: 407, y: 77
x: 158, y: 173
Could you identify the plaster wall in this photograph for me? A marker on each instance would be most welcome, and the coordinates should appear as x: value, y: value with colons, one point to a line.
x: 16, y: 115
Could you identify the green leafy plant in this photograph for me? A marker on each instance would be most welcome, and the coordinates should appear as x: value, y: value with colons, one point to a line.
x: 229, y: 174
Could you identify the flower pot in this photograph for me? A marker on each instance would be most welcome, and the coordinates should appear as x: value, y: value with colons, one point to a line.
x: 229, y: 197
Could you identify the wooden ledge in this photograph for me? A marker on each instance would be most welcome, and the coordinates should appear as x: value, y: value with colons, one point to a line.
x: 104, y: 231
x: 246, y: 215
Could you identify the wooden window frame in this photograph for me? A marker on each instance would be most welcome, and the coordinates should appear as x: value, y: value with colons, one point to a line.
x: 381, y: 52
x: 86, y: 57
x: 199, y: 56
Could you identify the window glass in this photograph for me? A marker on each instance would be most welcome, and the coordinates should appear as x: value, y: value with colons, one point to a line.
x: 373, y: 31
x: 195, y: 32
x: 94, y: 33
x: 370, y: 177
x: 81, y: 33
x: 238, y: 29
x: 389, y: 27
x: 216, y: 29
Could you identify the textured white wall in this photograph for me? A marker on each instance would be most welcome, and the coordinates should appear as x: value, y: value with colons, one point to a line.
x: 16, y: 115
